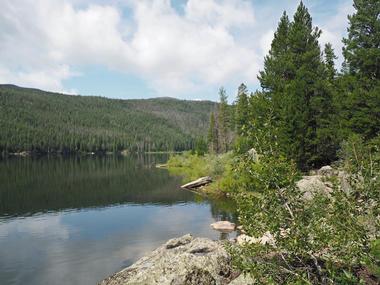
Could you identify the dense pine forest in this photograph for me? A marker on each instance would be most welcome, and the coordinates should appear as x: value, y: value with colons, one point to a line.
x: 310, y: 122
x: 38, y: 121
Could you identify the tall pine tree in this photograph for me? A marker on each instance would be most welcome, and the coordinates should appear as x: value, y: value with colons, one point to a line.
x: 361, y: 84
x: 294, y: 80
x: 330, y: 58
x: 212, y: 137
x: 223, y: 121
x: 276, y: 69
x: 241, y: 110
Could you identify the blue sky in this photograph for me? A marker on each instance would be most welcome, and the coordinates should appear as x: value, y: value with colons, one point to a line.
x: 148, y: 48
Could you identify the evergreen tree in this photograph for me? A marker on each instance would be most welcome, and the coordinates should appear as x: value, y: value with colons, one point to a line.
x: 200, y: 146
x: 361, y: 51
x: 330, y: 57
x: 360, y: 103
x: 272, y: 79
x: 241, y: 110
x: 294, y: 81
x: 223, y: 121
x: 212, y: 137
x: 307, y: 100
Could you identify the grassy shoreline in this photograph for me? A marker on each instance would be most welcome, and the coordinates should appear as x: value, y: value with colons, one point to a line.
x: 191, y: 167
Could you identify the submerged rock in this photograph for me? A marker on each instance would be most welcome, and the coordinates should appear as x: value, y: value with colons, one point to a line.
x: 223, y: 226
x: 184, y: 260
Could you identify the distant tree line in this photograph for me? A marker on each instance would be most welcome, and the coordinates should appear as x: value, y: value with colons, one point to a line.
x: 37, y: 121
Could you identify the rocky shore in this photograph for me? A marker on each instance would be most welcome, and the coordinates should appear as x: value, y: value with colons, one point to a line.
x: 188, y: 260
x: 184, y: 260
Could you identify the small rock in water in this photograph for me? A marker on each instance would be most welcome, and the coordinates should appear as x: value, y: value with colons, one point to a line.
x: 223, y: 226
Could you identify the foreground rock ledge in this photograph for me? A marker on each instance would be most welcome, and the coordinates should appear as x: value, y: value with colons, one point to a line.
x: 184, y: 260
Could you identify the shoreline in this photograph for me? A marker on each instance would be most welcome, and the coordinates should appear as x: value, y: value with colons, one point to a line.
x: 79, y: 153
x: 182, y: 260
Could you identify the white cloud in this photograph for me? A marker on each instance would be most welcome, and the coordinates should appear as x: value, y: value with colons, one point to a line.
x: 44, y: 39
x: 208, y: 43
x: 198, y: 47
x: 334, y: 29
x: 266, y: 41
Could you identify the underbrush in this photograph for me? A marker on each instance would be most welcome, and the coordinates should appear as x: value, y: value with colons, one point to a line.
x: 328, y: 240
x: 193, y: 166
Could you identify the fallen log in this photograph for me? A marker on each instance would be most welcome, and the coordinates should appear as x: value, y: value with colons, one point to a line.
x: 162, y: 165
x: 197, y: 183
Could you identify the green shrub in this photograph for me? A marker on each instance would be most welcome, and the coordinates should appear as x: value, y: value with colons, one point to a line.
x: 193, y: 166
x: 323, y: 241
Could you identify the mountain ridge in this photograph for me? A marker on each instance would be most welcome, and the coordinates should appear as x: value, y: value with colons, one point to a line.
x: 36, y: 120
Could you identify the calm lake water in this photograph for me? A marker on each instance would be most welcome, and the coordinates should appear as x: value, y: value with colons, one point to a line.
x: 77, y: 220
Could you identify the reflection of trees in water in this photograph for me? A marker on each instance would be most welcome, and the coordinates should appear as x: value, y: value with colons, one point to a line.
x: 30, y: 185
x: 150, y: 160
x: 221, y: 209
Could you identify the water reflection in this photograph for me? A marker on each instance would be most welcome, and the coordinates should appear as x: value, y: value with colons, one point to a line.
x: 30, y: 186
x: 77, y: 220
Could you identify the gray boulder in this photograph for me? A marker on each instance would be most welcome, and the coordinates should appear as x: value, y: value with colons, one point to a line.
x: 344, y: 181
x: 312, y: 185
x: 326, y: 171
x: 184, y: 260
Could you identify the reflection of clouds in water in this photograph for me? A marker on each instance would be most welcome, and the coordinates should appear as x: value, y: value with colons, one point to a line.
x: 29, y: 246
x: 87, y: 246
x: 183, y: 219
x: 46, y: 225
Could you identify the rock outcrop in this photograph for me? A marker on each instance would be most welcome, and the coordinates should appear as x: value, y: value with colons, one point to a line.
x: 184, y: 260
x: 327, y: 171
x: 312, y: 185
x: 319, y: 183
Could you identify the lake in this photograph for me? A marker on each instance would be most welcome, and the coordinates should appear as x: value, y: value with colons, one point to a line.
x: 76, y: 220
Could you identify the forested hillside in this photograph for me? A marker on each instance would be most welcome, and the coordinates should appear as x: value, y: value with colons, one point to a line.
x: 34, y: 120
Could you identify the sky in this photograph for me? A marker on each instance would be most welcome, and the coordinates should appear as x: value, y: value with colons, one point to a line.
x: 126, y: 49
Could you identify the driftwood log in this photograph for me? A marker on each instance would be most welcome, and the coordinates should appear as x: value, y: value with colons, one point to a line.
x: 197, y: 183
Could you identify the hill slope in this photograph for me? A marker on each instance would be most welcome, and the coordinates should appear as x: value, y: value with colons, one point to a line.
x: 36, y: 120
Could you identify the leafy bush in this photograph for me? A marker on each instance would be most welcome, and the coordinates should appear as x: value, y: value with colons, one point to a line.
x: 193, y: 166
x: 323, y: 241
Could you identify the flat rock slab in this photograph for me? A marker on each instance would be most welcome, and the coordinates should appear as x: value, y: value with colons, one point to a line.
x: 223, y: 226
x: 184, y: 260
